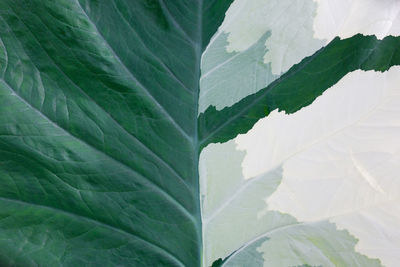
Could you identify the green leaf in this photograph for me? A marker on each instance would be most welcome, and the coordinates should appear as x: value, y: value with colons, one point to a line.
x: 98, y: 122
x: 102, y: 121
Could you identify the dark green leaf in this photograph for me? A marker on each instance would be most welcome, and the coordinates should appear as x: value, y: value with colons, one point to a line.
x: 98, y: 128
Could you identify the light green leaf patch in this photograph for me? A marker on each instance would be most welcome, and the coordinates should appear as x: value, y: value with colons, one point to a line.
x: 235, y: 219
x: 228, y: 77
x: 302, y: 244
x: 329, y: 167
x: 226, y: 205
x: 235, y: 63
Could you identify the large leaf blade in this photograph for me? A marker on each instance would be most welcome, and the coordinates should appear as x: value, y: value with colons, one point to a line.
x: 99, y: 127
x: 92, y: 95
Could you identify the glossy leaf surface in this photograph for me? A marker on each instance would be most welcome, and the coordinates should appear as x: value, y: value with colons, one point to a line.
x: 98, y: 121
x: 127, y: 131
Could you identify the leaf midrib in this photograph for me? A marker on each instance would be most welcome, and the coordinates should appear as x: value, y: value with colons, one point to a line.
x: 196, y: 142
